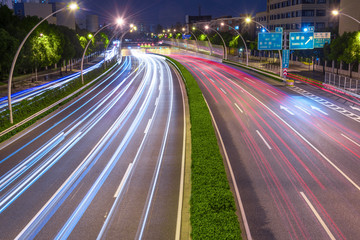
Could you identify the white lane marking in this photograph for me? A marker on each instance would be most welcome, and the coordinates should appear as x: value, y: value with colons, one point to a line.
x: 118, y: 191
x: 157, y: 101
x: 318, y: 109
x: 327, y: 230
x: 271, y: 91
x: 303, y: 109
x: 238, y: 108
x: 355, y: 108
x: 286, y: 109
x: 351, y: 140
x: 212, y: 80
x: 223, y: 90
x: 237, y: 193
x: 183, y: 159
x: 249, y: 80
x: 148, y: 126
x: 328, y: 104
x: 267, y: 144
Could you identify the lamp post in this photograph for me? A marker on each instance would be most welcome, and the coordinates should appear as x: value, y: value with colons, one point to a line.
x: 119, y: 21
x: 132, y: 28
x: 196, y: 41
x: 337, y: 12
x: 247, y: 54
x: 70, y: 6
x: 210, y: 46
x: 249, y: 20
x: 225, y: 49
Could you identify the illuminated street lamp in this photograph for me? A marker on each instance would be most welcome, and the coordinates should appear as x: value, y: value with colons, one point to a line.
x: 249, y: 20
x: 247, y: 54
x: 118, y: 22
x: 337, y: 12
x: 132, y: 28
x: 71, y: 7
x: 225, y: 49
x: 210, y: 46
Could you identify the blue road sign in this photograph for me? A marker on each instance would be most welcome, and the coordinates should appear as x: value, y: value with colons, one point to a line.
x: 285, y: 58
x: 270, y: 41
x: 320, y: 38
x: 301, y: 40
x: 186, y: 36
x: 279, y: 29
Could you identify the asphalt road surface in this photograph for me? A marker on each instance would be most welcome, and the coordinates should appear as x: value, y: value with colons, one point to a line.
x: 105, y: 166
x: 294, y: 153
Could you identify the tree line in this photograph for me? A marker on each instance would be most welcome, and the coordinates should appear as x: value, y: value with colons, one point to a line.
x: 48, y: 45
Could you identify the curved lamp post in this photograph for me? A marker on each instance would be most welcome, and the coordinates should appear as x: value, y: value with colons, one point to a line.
x: 118, y: 22
x: 225, y: 49
x: 210, y: 46
x: 337, y: 12
x: 196, y: 41
x: 249, y: 20
x: 70, y: 6
x: 132, y: 28
x: 247, y: 54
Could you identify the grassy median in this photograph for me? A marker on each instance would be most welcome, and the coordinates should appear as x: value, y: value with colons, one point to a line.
x: 212, y: 205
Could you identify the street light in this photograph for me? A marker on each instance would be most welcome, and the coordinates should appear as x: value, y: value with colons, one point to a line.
x: 337, y: 12
x: 118, y: 22
x: 210, y: 46
x: 247, y: 54
x: 249, y: 20
x: 225, y: 49
x: 71, y: 7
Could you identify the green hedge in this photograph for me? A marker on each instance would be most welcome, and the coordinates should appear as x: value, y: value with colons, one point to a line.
x: 212, y: 205
x: 27, y: 108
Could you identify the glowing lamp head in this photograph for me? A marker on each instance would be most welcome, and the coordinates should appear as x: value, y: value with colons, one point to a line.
x: 207, y: 27
x: 73, y: 6
x: 90, y: 35
x: 263, y: 30
x: 174, y: 30
x: 119, y: 21
x: 305, y: 29
x: 193, y: 28
x: 183, y: 29
x: 222, y: 24
x: 248, y: 20
x: 131, y: 25
x: 41, y: 34
x: 335, y: 12
x: 169, y: 30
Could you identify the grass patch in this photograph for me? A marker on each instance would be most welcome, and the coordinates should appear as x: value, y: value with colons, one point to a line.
x: 212, y: 205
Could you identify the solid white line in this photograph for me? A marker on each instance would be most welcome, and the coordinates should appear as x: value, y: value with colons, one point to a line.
x: 236, y: 189
x: 157, y: 101
x: 271, y: 91
x: 212, y: 80
x: 148, y: 126
x: 223, y: 90
x: 287, y: 110
x: 182, y: 174
x: 267, y: 144
x: 123, y: 180
x: 238, y: 108
x: 327, y: 230
x: 351, y: 140
x: 249, y: 80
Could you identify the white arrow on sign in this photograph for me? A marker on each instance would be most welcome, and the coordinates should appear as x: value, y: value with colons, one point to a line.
x: 286, y: 109
x: 355, y: 108
x: 318, y: 109
x: 310, y: 38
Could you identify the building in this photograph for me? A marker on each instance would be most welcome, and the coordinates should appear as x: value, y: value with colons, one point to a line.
x: 351, y: 8
x: 64, y: 18
x: 92, y: 23
x: 8, y: 3
x: 24, y: 9
x: 295, y: 15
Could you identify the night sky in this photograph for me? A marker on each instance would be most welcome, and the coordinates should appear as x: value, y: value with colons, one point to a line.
x: 168, y: 12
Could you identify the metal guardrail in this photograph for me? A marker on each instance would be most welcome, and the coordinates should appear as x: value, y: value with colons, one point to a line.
x: 342, y: 82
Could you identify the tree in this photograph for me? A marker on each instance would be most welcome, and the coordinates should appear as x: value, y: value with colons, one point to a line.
x: 351, y: 54
x: 8, y: 46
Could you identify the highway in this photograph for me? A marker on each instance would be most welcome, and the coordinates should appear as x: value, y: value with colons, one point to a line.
x: 105, y: 166
x: 293, y: 153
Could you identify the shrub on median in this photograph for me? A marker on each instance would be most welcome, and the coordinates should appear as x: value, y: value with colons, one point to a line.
x: 212, y: 205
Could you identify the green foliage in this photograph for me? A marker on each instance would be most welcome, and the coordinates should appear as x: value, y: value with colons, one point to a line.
x: 202, y: 37
x: 234, y: 42
x: 212, y: 205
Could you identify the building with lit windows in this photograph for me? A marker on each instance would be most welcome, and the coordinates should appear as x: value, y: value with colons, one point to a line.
x: 295, y: 15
